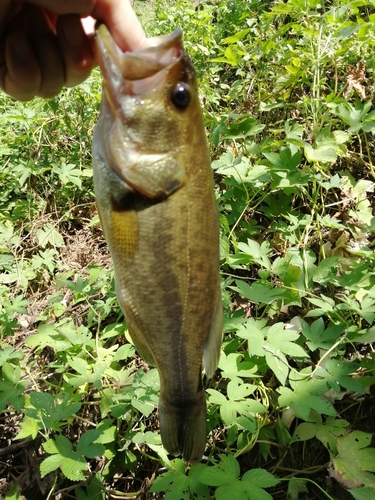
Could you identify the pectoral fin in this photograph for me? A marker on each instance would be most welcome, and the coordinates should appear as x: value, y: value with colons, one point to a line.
x: 123, y: 237
x: 212, y: 348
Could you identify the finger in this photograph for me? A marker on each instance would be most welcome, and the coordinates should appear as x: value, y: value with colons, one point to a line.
x: 8, y: 10
x: 46, y: 50
x: 75, y: 49
x: 81, y: 7
x: 51, y: 64
x: 20, y: 74
x: 118, y: 15
x: 122, y: 22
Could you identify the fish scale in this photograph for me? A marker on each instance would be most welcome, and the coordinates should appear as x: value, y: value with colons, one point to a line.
x: 155, y: 195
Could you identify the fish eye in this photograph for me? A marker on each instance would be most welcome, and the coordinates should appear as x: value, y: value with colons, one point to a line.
x: 180, y: 95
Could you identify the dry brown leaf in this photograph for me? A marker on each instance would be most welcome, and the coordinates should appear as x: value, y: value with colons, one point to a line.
x: 355, y: 80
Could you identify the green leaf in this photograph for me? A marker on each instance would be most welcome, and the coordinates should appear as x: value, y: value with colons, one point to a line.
x: 52, y: 411
x: 87, y: 445
x: 237, y: 401
x: 52, y: 463
x: 355, y: 460
x: 273, y: 343
x: 238, y: 390
x: 106, y: 432
x: 320, y: 338
x: 42, y: 401
x: 144, y: 396
x: 48, y: 335
x: 366, y: 493
x: 261, y: 478
x: 326, y: 271
x: 126, y: 351
x: 279, y: 338
x: 178, y: 485
x: 216, y: 397
x: 347, y: 31
x: 49, y: 236
x: 325, y: 305
x: 29, y: 428
x: 305, y: 431
x: 355, y: 116
x: 11, y: 394
x: 259, y: 292
x: 235, y: 38
x: 364, y: 336
x: 327, y: 431
x: 94, y: 490
x: 233, y: 490
x: 257, y: 253
x: 226, y: 477
x: 72, y: 464
x: 295, y: 487
x: 220, y: 474
x: 14, y: 493
x: 284, y: 81
x: 325, y: 153
x: 230, y: 465
x: 288, y: 273
x: 247, y: 423
x: 337, y: 372
x: 306, y: 397
x: 68, y: 173
x: 11, y: 373
x: 7, y: 232
x: 278, y: 364
x: 233, y: 366
x: 254, y: 332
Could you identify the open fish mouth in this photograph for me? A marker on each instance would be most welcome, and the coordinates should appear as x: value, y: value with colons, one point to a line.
x: 145, y: 93
x: 138, y: 72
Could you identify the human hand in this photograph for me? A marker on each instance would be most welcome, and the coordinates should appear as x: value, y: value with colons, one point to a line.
x: 44, y: 47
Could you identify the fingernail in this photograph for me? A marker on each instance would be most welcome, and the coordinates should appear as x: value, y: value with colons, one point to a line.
x: 72, y: 29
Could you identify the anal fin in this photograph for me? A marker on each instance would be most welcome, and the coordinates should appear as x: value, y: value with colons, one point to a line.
x: 212, y: 348
x: 142, y: 349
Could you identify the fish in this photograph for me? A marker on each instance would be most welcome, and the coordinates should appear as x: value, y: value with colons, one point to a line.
x: 155, y: 195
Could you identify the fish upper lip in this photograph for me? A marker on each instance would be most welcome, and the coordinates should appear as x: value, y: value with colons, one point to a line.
x: 140, y: 71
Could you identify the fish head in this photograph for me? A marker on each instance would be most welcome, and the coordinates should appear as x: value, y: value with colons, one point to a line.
x: 150, y: 100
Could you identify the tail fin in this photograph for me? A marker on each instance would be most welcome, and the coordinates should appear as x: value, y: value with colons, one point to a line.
x: 183, y: 428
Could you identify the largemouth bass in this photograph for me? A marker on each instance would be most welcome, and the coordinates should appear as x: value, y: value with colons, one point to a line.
x: 155, y: 195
